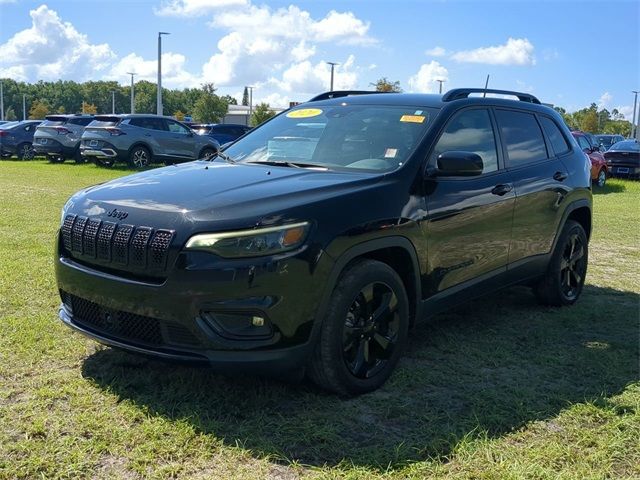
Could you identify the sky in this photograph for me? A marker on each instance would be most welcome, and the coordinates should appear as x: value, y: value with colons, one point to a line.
x: 568, y: 53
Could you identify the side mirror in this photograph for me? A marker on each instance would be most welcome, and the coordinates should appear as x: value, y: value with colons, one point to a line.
x: 459, y: 164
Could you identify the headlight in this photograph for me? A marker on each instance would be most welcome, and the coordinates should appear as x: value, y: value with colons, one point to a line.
x: 251, y: 243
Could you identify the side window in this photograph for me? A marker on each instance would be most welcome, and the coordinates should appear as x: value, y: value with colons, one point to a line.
x: 28, y: 128
x: 470, y: 131
x: 522, y: 137
x: 156, y: 124
x: 584, y: 144
x: 175, y: 127
x: 558, y: 142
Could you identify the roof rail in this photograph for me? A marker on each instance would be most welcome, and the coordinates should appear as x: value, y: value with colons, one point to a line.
x: 341, y: 93
x: 458, y: 93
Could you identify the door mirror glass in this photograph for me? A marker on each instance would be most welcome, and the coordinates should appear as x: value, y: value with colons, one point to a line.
x: 459, y: 164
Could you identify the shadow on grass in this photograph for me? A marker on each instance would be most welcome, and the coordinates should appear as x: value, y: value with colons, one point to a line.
x: 485, y: 369
x: 609, y: 187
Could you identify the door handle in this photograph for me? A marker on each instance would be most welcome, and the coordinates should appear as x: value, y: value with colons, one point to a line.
x: 502, y: 189
x: 560, y: 176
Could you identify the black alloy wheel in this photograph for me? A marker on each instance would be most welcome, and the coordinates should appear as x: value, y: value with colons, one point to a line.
x: 573, y: 266
x: 371, y: 330
x: 563, y: 282
x: 364, y: 330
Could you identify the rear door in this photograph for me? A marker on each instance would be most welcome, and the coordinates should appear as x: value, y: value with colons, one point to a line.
x: 468, y: 230
x: 538, y: 176
x: 180, y: 140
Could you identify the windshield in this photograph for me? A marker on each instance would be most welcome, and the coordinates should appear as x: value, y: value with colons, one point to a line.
x: 605, y: 139
x: 363, y: 137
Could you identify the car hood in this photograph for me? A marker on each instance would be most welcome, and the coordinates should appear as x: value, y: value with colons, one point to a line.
x: 213, y: 195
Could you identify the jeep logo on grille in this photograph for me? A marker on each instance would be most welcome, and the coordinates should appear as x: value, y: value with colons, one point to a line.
x: 119, y: 214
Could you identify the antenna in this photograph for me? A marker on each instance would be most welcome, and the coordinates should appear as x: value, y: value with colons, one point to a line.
x: 486, y: 84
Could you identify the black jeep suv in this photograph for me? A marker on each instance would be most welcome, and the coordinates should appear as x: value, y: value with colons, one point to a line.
x: 318, y: 239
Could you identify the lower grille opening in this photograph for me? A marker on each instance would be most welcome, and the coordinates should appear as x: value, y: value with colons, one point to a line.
x: 128, y: 327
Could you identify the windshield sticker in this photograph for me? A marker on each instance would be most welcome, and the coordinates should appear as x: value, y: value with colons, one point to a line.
x: 305, y: 113
x: 390, y: 153
x: 412, y: 118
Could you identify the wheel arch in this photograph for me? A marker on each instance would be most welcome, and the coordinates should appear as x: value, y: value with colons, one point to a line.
x: 579, y: 211
x: 395, y: 251
x: 141, y: 144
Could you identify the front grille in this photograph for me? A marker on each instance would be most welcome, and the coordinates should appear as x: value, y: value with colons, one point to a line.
x: 126, y: 326
x: 116, y: 245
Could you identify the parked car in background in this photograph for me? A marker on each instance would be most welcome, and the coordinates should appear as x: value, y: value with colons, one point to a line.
x: 141, y: 139
x: 223, y: 133
x: 623, y: 159
x: 599, y: 170
x: 16, y: 138
x: 605, y: 141
x: 319, y: 238
x: 58, y: 137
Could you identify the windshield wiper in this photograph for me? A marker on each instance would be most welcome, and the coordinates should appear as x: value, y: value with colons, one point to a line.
x: 223, y: 156
x: 282, y: 163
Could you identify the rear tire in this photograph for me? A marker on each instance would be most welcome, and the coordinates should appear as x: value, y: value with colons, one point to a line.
x: 364, y: 331
x: 602, y: 178
x: 139, y: 157
x: 105, y: 162
x: 566, y: 272
x: 77, y: 156
x: 25, y: 151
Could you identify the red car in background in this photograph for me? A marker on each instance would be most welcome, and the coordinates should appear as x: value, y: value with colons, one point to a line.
x: 599, y: 172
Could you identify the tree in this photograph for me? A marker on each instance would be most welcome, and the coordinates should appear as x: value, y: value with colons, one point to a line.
x: 10, y: 115
x: 38, y: 110
x: 261, y: 114
x: 61, y: 109
x: 245, y: 97
x: 589, y: 121
x: 384, y: 85
x: 178, y: 115
x: 89, y: 108
x: 209, y: 108
x: 230, y: 100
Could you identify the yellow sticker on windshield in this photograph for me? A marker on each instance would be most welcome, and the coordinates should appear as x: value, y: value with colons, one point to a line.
x: 304, y: 113
x: 412, y: 118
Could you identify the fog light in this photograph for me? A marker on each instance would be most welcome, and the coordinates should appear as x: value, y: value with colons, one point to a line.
x: 238, y: 325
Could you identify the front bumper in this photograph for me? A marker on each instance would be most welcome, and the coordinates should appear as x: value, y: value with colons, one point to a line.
x: 285, y: 292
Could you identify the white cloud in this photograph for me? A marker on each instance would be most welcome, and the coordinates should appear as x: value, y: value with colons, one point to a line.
x: 174, y: 73
x: 306, y: 78
x: 194, y: 8
x: 425, y: 80
x: 517, y: 51
x: 277, y: 46
x: 605, y: 100
x: 52, y: 49
x: 524, y: 87
x: 627, y: 111
x: 436, y: 52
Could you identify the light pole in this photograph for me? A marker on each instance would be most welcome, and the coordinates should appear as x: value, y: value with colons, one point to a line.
x: 441, y: 82
x: 634, y: 124
x: 159, y: 108
x: 133, y: 107
x: 113, y: 102
x: 333, y: 64
x: 1, y: 102
x: 250, y: 101
x: 24, y: 106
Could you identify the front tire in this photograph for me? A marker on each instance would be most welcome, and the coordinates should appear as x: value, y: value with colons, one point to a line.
x: 139, y: 157
x: 25, y: 151
x: 602, y: 178
x: 364, y: 331
x: 207, y: 153
x: 566, y: 272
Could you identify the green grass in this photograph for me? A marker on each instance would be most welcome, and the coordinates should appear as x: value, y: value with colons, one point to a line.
x: 499, y: 388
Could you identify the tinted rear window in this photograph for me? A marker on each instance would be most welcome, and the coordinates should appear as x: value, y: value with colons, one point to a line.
x: 558, y: 142
x: 8, y: 125
x: 104, y: 123
x: 522, y: 137
x: 81, y: 121
x: 53, y: 123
